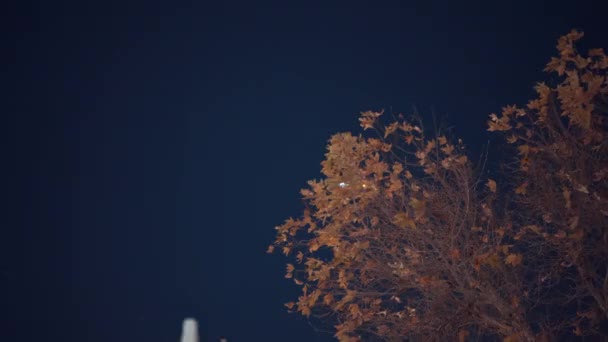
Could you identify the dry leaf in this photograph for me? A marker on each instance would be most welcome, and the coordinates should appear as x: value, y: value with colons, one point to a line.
x: 328, y: 299
x: 447, y: 149
x: 491, y: 185
x: 514, y: 302
x: 462, y: 335
x: 290, y: 270
x: 513, y: 259
x: 521, y: 190
x: 403, y: 220
x: 455, y: 254
x: 462, y: 160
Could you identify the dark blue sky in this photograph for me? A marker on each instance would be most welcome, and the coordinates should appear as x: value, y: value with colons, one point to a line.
x: 150, y: 148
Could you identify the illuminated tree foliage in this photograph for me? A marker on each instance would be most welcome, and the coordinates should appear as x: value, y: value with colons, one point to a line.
x: 561, y: 190
x: 398, y: 241
x: 402, y: 240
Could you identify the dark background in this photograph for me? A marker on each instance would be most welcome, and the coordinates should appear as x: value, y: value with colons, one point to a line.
x: 150, y: 148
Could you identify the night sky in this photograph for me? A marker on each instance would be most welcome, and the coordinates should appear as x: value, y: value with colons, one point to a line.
x: 151, y: 148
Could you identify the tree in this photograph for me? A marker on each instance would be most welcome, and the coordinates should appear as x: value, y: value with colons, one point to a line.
x: 397, y: 240
x: 403, y: 238
x: 562, y: 191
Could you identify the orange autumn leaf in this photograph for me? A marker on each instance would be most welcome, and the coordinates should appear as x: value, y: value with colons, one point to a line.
x: 424, y: 281
x: 522, y: 189
x: 493, y: 261
x: 491, y: 185
x: 462, y: 335
x: 447, y: 149
x: 305, y: 310
x: 368, y: 119
x: 419, y: 207
x: 513, y: 259
x: 403, y: 220
x: 386, y: 147
x: 289, y: 271
x: 462, y: 160
x: 328, y: 299
x: 354, y: 310
x: 390, y: 129
x: 514, y: 302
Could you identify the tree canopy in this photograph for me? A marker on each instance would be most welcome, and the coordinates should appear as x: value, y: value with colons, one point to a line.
x: 403, y: 238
